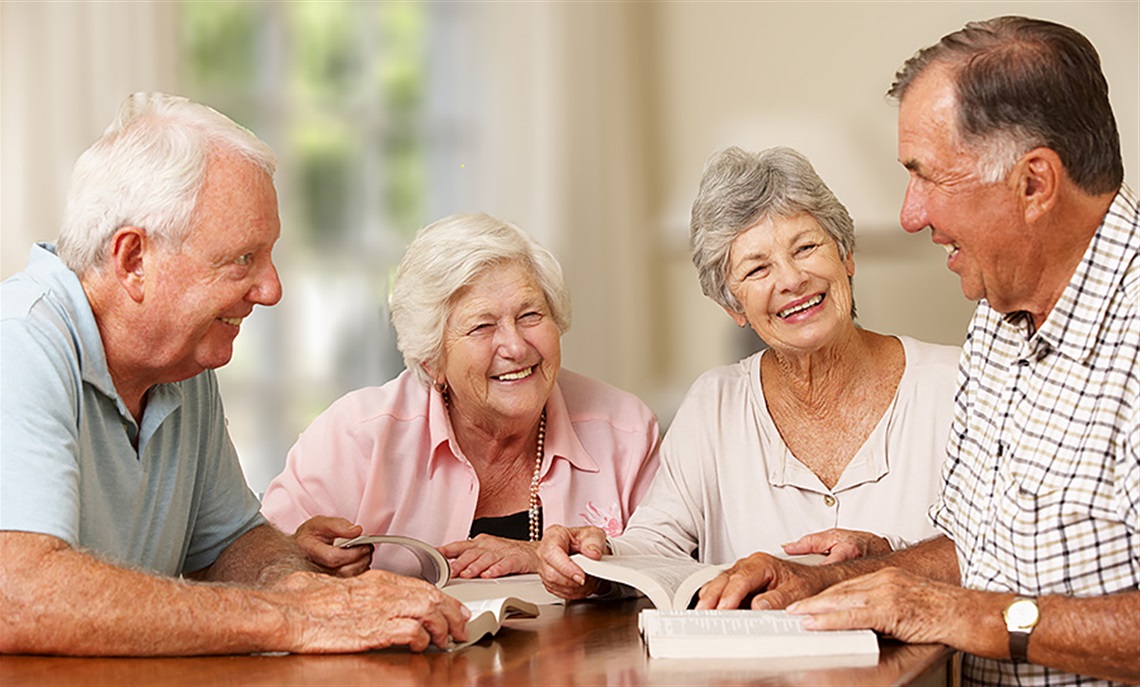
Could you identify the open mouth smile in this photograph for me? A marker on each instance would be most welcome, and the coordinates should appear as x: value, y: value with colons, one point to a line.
x: 810, y: 303
x: 514, y: 376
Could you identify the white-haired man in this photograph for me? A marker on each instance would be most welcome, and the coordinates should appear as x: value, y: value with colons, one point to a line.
x: 120, y: 490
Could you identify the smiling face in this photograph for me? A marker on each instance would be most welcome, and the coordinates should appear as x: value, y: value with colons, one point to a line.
x: 978, y: 222
x: 502, y: 349
x: 200, y: 292
x: 791, y: 283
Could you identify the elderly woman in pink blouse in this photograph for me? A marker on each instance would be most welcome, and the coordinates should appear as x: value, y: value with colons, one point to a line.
x: 484, y: 438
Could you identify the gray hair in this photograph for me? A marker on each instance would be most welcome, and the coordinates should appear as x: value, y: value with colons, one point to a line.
x: 448, y: 255
x: 1026, y: 83
x: 147, y: 170
x: 739, y: 189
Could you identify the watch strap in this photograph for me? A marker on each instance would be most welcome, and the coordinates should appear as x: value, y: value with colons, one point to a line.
x: 1019, y: 646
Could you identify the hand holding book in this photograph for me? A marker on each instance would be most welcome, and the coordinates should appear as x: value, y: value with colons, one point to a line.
x: 561, y: 575
x: 316, y: 538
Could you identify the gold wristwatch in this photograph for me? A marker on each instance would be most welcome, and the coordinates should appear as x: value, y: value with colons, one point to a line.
x: 1021, y: 616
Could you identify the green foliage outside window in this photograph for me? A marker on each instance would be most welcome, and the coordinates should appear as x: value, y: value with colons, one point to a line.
x: 342, y: 83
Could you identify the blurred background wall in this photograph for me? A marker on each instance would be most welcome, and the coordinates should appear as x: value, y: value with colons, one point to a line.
x: 586, y: 123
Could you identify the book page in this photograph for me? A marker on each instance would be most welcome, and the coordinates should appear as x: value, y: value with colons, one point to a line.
x: 746, y: 633
x: 723, y: 623
x: 526, y: 587
x: 433, y: 566
x: 487, y: 617
x: 663, y: 580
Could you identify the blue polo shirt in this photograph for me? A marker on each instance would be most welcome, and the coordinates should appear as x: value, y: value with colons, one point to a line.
x: 69, y: 466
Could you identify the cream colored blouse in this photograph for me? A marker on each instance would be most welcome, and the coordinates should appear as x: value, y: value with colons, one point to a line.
x: 728, y: 486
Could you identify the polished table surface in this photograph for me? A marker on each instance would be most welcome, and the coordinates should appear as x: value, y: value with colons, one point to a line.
x: 582, y: 643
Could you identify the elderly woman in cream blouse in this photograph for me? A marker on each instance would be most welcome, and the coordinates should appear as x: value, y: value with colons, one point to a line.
x: 830, y: 441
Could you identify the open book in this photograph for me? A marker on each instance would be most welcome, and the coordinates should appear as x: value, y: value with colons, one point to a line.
x: 751, y: 634
x: 487, y: 617
x: 433, y: 566
x: 489, y: 604
x: 670, y: 583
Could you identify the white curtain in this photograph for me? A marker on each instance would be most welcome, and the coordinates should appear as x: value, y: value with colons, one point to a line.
x: 64, y: 69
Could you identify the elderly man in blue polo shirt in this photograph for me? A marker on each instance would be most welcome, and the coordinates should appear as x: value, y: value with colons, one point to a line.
x: 118, y: 481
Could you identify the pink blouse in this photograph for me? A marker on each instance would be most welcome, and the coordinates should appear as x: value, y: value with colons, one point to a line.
x: 385, y: 458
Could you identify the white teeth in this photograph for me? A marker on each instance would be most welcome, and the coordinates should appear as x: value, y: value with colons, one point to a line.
x: 951, y: 248
x: 784, y: 314
x: 235, y: 321
x: 512, y: 376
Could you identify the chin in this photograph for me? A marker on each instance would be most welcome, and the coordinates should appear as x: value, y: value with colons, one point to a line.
x: 216, y: 361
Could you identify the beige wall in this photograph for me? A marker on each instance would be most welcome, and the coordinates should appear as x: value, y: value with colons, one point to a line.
x: 608, y: 112
x: 594, y: 121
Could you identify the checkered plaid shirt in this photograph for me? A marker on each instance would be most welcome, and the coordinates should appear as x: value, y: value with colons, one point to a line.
x: 1041, y: 489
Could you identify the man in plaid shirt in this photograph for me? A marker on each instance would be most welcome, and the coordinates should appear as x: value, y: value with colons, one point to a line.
x: 1014, y: 157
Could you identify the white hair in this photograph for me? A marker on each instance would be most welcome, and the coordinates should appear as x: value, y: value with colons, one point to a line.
x: 448, y: 255
x: 147, y: 170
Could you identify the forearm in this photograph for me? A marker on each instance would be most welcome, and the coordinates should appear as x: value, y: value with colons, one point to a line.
x: 62, y: 601
x: 1091, y: 636
x: 259, y: 557
x: 933, y: 558
x: 1096, y: 636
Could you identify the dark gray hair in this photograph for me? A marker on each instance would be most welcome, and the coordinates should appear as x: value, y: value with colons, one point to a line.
x: 1026, y: 83
x: 739, y: 189
x: 147, y: 170
x: 448, y: 255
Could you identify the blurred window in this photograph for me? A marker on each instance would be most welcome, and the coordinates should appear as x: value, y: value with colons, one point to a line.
x: 340, y: 90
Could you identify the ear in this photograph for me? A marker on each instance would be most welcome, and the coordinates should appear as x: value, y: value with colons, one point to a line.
x: 436, y: 378
x: 128, y: 247
x: 1039, y: 185
x: 849, y: 263
x: 739, y: 318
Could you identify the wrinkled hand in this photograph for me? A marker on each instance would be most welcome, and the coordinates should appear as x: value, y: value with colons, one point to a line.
x: 899, y: 604
x: 488, y: 556
x: 561, y: 576
x: 839, y: 545
x: 774, y: 581
x: 371, y: 611
x: 315, y: 537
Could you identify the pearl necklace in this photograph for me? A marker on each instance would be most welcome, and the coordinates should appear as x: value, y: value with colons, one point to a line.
x: 532, y: 503
x: 532, y: 511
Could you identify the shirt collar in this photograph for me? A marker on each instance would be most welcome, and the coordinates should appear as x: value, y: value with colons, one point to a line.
x: 46, y: 267
x: 561, y: 441
x: 1073, y: 326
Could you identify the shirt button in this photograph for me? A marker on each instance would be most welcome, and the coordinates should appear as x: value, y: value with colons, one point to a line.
x: 828, y: 500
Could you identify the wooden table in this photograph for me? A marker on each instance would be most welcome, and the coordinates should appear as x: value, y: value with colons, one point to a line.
x: 583, y: 643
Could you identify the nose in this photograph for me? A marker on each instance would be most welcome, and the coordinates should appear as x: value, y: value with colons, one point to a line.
x: 790, y: 277
x: 266, y: 289
x: 509, y: 341
x: 912, y: 216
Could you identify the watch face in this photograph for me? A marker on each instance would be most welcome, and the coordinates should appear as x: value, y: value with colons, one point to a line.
x: 1022, y: 613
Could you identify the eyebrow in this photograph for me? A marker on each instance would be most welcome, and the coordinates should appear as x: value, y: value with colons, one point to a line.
x: 796, y: 238
x: 527, y: 305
